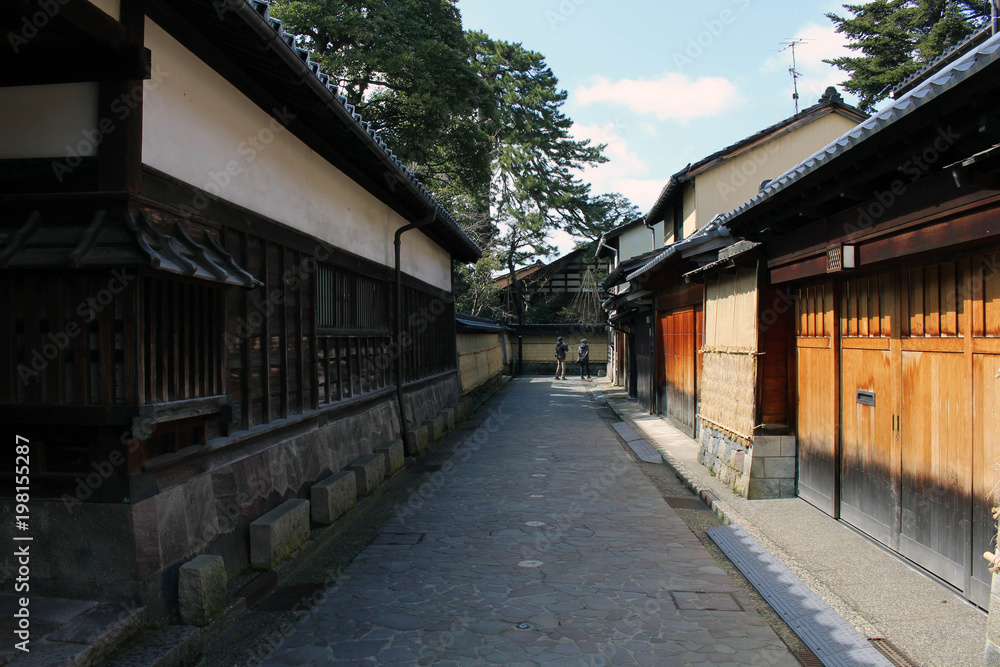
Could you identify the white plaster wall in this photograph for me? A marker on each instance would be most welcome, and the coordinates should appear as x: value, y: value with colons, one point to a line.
x: 634, y: 241
x: 48, y: 121
x: 110, y: 7
x: 201, y: 130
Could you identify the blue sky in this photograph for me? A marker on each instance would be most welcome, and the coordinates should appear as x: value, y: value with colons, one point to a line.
x: 667, y: 83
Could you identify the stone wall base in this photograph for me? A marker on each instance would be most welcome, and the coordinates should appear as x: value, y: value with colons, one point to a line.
x: 765, y: 469
x: 132, y: 551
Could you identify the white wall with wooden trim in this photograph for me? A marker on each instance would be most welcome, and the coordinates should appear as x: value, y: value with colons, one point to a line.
x: 200, y: 129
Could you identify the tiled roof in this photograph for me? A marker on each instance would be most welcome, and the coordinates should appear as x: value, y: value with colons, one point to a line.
x: 281, y: 47
x: 114, y: 239
x: 959, y: 70
x: 710, y: 231
x: 471, y: 323
x: 949, y: 55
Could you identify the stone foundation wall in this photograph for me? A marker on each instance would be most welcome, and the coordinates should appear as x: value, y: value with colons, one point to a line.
x: 765, y: 469
x: 133, y: 551
x: 727, y: 458
x: 426, y: 402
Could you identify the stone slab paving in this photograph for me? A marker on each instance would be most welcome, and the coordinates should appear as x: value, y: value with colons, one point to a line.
x: 887, y: 597
x: 541, y: 543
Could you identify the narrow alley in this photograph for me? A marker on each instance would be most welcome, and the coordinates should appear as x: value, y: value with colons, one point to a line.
x: 538, y: 541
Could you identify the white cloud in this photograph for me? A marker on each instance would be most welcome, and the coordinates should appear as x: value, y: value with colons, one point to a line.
x: 822, y: 42
x: 672, y: 97
x: 624, y: 172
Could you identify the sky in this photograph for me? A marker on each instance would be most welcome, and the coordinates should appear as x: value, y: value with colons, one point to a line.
x: 665, y: 83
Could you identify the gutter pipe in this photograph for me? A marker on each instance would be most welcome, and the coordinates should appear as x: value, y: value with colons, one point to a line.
x: 398, y: 320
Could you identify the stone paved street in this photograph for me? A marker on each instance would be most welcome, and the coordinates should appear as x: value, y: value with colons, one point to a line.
x: 538, y: 542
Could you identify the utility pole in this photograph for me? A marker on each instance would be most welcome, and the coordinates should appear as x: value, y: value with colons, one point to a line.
x: 790, y: 45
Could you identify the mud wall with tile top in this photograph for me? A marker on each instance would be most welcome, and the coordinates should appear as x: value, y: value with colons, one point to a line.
x: 203, y: 503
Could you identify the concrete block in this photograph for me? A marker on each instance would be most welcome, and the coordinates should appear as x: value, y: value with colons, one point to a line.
x: 789, y: 446
x: 331, y: 497
x: 767, y: 445
x: 276, y: 535
x: 759, y: 489
x: 757, y: 466
x: 201, y: 589
x: 419, y: 438
x: 779, y: 467
x: 369, y: 471
x: 786, y: 488
x: 449, y: 417
x: 437, y: 427
x: 393, y: 453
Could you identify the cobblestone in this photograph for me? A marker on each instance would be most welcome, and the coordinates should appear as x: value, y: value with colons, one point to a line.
x: 611, y: 551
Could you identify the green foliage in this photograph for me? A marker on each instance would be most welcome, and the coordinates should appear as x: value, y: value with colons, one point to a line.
x: 895, y: 38
x: 602, y: 213
x: 406, y: 66
x: 476, y: 289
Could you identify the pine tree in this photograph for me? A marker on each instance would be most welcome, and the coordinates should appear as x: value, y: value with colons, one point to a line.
x: 898, y: 37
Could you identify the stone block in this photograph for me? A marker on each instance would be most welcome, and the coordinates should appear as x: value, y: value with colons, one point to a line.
x: 201, y: 589
x: 779, y: 467
x: 757, y: 466
x: 417, y: 443
x: 437, y: 427
x: 759, y: 489
x: 738, y: 459
x: 331, y: 497
x: 276, y: 535
x: 449, y: 417
x: 369, y: 471
x: 767, y: 445
x: 789, y: 446
x: 393, y: 453
x: 786, y: 488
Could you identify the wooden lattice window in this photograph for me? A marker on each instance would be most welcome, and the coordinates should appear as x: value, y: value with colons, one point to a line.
x: 182, y: 339
x: 352, y: 318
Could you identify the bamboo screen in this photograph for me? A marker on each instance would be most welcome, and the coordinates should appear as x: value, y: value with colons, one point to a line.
x: 729, y: 375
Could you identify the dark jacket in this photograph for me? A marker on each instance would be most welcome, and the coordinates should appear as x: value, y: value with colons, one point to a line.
x: 561, y: 350
x: 583, y: 352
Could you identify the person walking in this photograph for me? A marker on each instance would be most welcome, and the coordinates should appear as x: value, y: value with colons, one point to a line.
x: 561, y: 350
x: 583, y: 358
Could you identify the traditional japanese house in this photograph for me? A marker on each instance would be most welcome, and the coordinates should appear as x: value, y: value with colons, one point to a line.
x: 683, y: 217
x: 219, y: 286
x: 883, y: 250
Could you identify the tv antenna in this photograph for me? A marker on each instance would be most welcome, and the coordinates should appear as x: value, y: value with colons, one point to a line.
x: 790, y: 45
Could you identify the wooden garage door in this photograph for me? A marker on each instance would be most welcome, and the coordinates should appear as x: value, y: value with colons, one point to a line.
x: 936, y: 416
x: 680, y: 340
x: 869, y: 477
x: 816, y: 411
